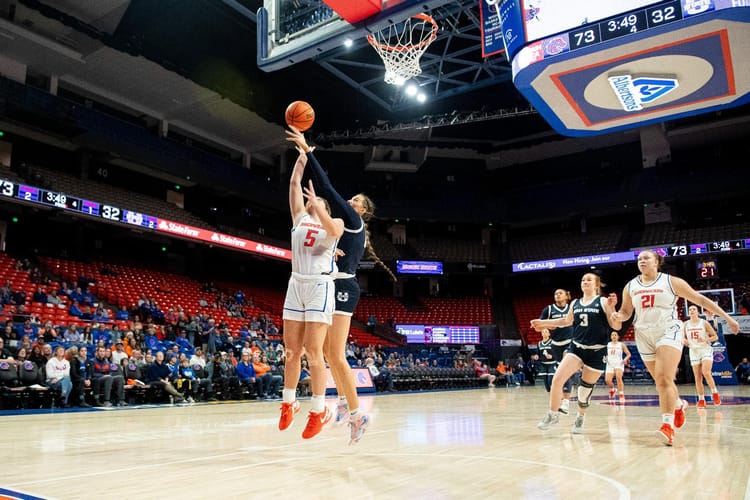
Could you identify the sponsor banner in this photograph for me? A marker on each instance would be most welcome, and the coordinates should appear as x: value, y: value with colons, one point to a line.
x: 215, y: 238
x: 585, y: 260
x: 722, y: 370
x: 362, y: 380
x: 418, y: 267
x: 635, y: 92
x: 744, y: 322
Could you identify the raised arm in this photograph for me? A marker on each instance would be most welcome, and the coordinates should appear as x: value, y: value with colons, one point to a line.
x: 296, y: 198
x: 681, y: 288
x: 334, y: 227
x: 339, y: 206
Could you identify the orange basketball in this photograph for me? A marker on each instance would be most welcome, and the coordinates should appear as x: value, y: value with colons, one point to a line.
x: 300, y: 114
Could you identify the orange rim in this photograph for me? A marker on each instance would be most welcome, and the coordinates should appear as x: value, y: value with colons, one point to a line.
x: 422, y: 44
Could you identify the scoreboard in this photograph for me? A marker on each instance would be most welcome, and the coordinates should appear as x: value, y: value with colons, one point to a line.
x: 32, y: 195
x: 35, y: 195
x: 439, y: 334
x: 701, y: 248
x: 591, y: 67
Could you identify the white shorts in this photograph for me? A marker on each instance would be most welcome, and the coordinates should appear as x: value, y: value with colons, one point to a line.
x: 612, y: 366
x: 648, y: 340
x: 700, y: 354
x: 310, y: 299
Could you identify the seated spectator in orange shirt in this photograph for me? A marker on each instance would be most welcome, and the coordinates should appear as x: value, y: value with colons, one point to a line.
x: 507, y: 372
x: 268, y: 381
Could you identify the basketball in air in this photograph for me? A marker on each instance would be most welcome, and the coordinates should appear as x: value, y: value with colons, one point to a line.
x: 300, y: 114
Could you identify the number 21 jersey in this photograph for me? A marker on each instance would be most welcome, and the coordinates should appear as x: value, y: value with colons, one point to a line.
x: 653, y: 303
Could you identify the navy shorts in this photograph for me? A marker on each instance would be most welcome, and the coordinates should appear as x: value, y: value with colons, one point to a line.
x: 347, y: 296
x: 558, y: 351
x: 593, y: 358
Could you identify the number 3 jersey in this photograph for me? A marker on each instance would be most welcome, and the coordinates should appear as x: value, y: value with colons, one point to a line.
x: 653, y: 303
x: 312, y: 248
x: 590, y: 325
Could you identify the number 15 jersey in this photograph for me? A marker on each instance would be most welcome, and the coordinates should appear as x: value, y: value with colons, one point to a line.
x: 653, y: 303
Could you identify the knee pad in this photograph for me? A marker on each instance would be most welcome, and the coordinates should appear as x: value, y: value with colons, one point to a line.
x: 584, y: 394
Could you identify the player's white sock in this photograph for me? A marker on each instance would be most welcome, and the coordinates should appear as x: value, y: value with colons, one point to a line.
x: 318, y: 403
x: 288, y: 395
x: 668, y: 418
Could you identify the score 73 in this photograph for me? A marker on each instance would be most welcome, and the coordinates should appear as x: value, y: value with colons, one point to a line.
x: 584, y: 37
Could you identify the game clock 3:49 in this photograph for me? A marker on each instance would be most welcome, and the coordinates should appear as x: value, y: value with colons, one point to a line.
x: 619, y: 26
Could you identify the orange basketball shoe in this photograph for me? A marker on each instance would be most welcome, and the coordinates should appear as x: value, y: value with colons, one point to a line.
x: 717, y: 399
x: 701, y: 404
x: 315, y: 423
x: 288, y: 410
x: 666, y: 433
x: 679, y: 414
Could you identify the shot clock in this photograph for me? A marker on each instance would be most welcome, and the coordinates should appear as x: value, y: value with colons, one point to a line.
x: 707, y: 269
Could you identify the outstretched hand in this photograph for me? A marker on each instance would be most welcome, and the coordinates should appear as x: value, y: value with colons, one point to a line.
x: 298, y: 138
x: 309, y: 194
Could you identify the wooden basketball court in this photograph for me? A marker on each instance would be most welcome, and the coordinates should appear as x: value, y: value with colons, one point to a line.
x: 459, y: 444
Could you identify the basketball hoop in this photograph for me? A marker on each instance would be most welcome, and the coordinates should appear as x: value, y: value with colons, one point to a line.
x: 401, y: 46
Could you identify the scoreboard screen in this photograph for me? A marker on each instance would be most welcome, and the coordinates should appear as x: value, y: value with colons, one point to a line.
x: 439, y: 334
x: 544, y: 18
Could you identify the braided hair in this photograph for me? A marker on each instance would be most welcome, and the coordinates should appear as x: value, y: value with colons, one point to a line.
x: 369, y: 207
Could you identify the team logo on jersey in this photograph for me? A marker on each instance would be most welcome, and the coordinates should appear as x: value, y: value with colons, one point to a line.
x: 635, y: 92
x: 342, y: 296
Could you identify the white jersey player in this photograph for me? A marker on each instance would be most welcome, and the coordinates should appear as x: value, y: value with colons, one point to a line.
x: 651, y: 296
x: 699, y: 334
x: 616, y: 365
x: 310, y: 298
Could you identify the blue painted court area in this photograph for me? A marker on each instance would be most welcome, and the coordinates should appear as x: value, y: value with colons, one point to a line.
x: 653, y: 400
x: 6, y: 494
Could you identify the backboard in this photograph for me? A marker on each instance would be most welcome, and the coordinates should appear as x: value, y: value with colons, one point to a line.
x: 290, y: 31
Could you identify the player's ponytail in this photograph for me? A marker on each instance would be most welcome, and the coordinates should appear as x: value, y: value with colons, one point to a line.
x: 369, y: 207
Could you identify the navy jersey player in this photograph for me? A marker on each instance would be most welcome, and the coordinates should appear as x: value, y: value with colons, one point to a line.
x: 592, y: 321
x: 560, y: 338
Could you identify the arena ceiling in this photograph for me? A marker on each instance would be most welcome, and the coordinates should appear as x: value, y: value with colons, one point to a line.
x: 193, y: 64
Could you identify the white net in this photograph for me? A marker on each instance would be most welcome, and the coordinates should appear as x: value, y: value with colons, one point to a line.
x: 402, y: 45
